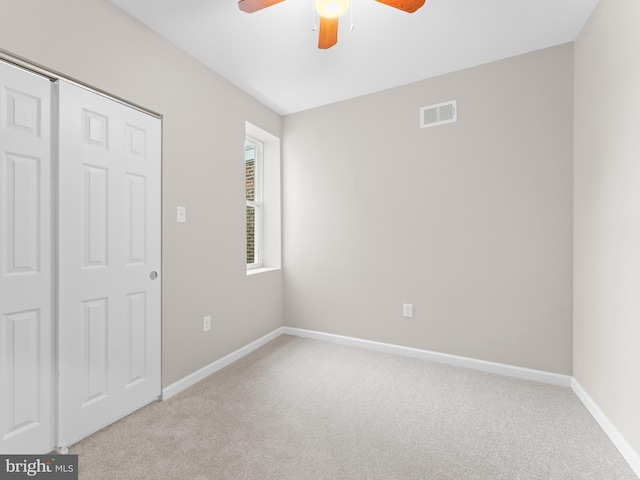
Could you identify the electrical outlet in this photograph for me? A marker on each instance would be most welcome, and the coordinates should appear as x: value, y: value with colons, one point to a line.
x: 206, y: 323
x: 407, y: 310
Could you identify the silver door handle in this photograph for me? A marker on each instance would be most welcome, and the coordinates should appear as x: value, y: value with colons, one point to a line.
x: 153, y: 275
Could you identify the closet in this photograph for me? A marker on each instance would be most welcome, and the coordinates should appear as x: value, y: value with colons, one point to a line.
x: 80, y: 192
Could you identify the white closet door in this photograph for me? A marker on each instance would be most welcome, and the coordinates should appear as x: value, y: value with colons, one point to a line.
x: 109, y: 249
x: 26, y: 333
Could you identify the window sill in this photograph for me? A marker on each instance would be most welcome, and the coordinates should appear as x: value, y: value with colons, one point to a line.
x: 254, y: 271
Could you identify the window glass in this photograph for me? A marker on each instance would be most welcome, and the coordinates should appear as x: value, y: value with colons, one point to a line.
x: 250, y: 170
x: 253, y: 189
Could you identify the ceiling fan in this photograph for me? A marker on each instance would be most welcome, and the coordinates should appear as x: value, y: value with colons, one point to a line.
x: 330, y: 11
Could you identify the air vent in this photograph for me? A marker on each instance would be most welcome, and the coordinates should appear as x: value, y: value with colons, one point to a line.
x: 439, y: 114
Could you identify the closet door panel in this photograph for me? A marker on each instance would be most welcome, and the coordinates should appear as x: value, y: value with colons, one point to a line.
x: 26, y: 277
x: 109, y: 237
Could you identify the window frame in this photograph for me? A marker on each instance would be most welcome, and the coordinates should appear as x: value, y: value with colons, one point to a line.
x: 257, y: 204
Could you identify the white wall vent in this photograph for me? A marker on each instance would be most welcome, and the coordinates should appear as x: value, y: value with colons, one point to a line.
x: 439, y: 114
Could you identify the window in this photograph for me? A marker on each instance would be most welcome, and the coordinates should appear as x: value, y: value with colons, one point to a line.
x: 263, y: 202
x: 253, y: 178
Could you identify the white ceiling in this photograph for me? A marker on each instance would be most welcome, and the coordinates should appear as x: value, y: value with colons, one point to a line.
x: 272, y: 54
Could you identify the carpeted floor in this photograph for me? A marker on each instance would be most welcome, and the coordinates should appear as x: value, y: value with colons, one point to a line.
x: 306, y: 410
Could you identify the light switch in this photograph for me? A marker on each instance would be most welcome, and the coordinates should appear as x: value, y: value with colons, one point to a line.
x: 181, y: 215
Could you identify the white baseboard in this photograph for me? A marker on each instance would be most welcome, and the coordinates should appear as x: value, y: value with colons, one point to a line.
x: 204, y: 372
x: 629, y: 454
x: 482, y: 365
x: 499, y: 368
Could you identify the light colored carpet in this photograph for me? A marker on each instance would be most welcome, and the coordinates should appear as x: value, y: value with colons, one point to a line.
x: 305, y: 410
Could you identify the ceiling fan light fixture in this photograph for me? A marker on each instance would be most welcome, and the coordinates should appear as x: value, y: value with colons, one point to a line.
x: 331, y: 8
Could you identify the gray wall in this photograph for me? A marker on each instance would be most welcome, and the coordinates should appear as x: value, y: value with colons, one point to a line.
x: 203, y: 166
x: 470, y: 222
x: 607, y: 213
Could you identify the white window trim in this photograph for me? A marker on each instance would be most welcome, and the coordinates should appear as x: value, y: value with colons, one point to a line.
x: 258, y: 204
x: 271, y: 228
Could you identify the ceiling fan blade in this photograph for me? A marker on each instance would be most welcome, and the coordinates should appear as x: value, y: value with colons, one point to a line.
x: 408, y: 6
x: 328, y: 32
x: 251, y: 6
